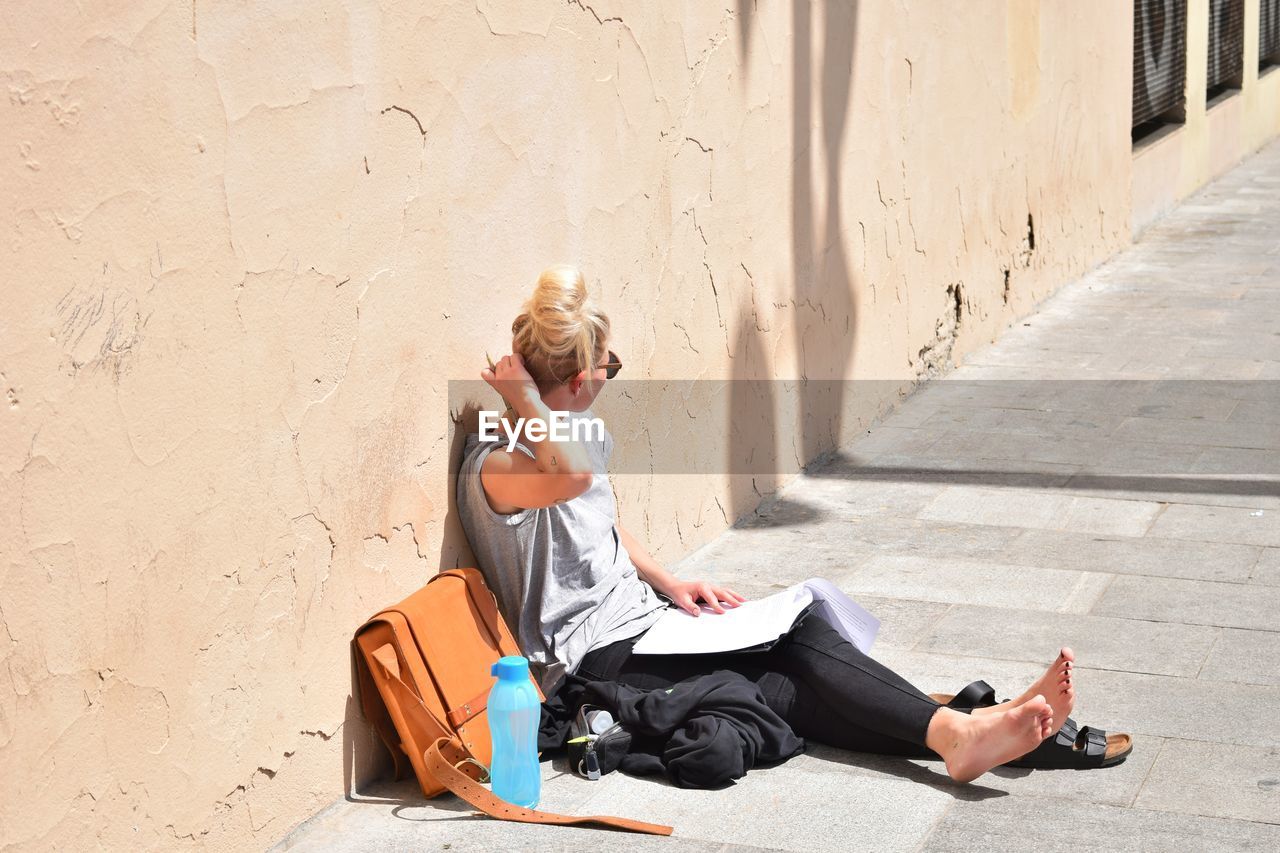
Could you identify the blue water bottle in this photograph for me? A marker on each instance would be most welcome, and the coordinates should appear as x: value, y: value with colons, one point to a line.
x: 514, y: 713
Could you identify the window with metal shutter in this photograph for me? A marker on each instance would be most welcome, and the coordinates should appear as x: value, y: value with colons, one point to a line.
x: 1269, y: 34
x: 1159, y: 62
x: 1226, y: 45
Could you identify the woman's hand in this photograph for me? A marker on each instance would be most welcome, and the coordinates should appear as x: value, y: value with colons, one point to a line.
x: 511, y: 379
x: 687, y: 594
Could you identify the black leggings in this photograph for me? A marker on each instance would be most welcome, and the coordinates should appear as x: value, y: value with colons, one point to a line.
x: 823, y: 686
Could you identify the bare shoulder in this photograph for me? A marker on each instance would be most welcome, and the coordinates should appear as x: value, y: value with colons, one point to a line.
x: 498, y: 464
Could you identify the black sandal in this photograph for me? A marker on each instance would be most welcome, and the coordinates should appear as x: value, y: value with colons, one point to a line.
x: 1073, y: 747
x: 1077, y: 748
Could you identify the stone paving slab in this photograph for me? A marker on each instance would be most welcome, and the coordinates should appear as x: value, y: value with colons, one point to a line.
x: 1124, y: 455
x: 1267, y: 569
x: 1042, y: 510
x: 1221, y: 711
x: 1018, y: 824
x: 1228, y: 605
x: 1219, y: 524
x: 975, y: 582
x: 893, y: 439
x: 887, y: 467
x: 1200, y: 433
x: 1211, y: 779
x: 782, y: 553
x: 1235, y: 460
x: 1258, y: 411
x: 1131, y: 645
x: 974, y: 445
x: 1064, y: 549
x: 1247, y: 657
x: 1024, y: 422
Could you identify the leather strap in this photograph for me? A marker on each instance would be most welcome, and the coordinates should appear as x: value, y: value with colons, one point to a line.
x: 475, y: 794
x: 1092, y: 741
x: 375, y: 712
x: 469, y: 709
x: 977, y: 694
x: 385, y: 655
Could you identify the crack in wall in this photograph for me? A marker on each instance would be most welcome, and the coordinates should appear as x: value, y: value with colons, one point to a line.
x: 588, y: 8
x: 422, y: 131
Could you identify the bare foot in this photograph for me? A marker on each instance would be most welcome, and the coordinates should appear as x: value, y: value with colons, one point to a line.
x: 1056, y: 686
x: 971, y: 748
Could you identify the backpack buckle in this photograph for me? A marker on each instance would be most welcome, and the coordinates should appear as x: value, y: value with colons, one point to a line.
x: 484, y: 770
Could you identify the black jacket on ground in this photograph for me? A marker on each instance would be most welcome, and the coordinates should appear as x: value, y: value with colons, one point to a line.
x: 703, y: 732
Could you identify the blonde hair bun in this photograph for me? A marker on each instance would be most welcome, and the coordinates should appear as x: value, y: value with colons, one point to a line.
x: 562, y: 331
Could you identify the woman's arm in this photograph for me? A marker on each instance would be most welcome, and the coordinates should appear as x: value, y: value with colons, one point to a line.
x: 559, y: 470
x: 685, y: 594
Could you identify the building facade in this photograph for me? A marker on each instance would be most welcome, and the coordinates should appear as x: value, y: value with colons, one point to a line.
x: 251, y: 245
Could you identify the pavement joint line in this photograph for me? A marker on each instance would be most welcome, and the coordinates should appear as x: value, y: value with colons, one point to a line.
x: 1217, y: 635
x: 1192, y: 813
x: 1164, y: 506
x: 1103, y: 595
x: 1159, y: 751
x: 946, y: 811
x: 928, y: 632
x: 1257, y: 561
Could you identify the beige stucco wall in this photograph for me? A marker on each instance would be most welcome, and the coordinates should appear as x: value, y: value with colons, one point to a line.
x: 1177, y: 160
x: 250, y: 243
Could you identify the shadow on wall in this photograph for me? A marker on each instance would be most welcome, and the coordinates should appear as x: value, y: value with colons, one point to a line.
x: 822, y: 280
x: 364, y: 758
x: 455, y: 550
x: 824, y: 311
x: 753, y: 436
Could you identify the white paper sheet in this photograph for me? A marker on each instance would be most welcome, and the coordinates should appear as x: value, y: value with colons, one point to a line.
x: 848, y: 617
x: 757, y: 621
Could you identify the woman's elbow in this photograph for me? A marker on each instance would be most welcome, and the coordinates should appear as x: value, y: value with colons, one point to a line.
x: 574, y: 483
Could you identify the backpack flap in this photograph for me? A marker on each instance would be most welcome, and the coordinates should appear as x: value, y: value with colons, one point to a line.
x: 393, y: 664
x: 460, y: 635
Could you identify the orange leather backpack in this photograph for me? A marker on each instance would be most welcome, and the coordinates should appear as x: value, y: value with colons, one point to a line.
x: 423, y: 670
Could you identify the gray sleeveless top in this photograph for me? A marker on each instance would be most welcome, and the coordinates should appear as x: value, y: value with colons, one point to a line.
x: 564, y: 582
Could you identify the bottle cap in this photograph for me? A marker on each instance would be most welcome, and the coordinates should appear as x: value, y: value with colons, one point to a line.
x: 511, y: 668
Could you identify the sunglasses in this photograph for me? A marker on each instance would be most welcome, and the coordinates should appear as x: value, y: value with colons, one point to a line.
x: 610, y: 367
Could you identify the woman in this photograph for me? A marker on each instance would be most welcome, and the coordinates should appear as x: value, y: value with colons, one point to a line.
x: 579, y: 589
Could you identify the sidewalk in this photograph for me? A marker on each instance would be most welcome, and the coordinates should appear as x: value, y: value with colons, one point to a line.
x: 1034, y: 497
